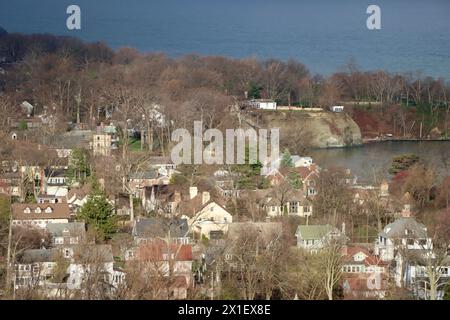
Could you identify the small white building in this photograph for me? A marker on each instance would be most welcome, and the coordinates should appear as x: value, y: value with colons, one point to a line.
x: 264, y: 104
x: 337, y: 108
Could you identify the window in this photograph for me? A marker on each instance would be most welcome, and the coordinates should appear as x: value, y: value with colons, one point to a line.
x: 423, y: 242
x: 27, y: 210
x: 37, y: 210
x: 48, y: 210
x: 410, y: 242
x: 293, y: 207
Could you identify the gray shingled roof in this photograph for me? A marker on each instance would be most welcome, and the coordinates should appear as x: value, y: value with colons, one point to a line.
x: 397, y: 229
x: 39, y: 255
x: 158, y: 228
x: 74, y: 228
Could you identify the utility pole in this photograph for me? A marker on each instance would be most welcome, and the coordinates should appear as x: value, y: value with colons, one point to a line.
x: 8, y: 254
x: 212, y: 285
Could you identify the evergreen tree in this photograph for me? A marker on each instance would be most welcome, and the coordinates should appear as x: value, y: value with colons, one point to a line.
x: 98, y: 213
x: 447, y: 292
x: 286, y: 159
x: 78, y: 166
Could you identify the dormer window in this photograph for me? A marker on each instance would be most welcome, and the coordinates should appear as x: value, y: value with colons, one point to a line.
x: 37, y: 210
x: 27, y: 210
x: 48, y: 210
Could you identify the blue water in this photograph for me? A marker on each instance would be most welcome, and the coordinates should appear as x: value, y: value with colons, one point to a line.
x: 323, y: 34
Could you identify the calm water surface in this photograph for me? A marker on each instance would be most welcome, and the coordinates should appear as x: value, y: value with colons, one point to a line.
x: 323, y: 34
x: 376, y: 158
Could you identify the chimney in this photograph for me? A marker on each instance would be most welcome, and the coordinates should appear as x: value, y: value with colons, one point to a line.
x: 177, y: 197
x: 193, y: 192
x: 406, y: 212
x: 205, y: 197
x: 246, y: 94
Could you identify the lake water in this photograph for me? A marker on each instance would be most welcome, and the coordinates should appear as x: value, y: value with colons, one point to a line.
x: 323, y: 34
x: 376, y: 158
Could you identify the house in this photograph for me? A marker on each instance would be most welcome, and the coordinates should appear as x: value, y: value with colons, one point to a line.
x: 146, y: 178
x: 164, y: 165
x: 36, y: 267
x: 104, y: 140
x: 66, y: 142
x: 171, y: 261
x: 206, y: 215
x: 337, y: 108
x: 77, y: 197
x: 404, y: 233
x: 316, y: 237
x: 161, y: 198
x: 46, y: 198
x: 10, y: 184
x: 39, y: 215
x: 399, y: 242
x: 358, y: 259
x: 56, y: 182
x: 225, y: 184
x: 294, y: 204
x: 264, y: 104
x: 364, y: 287
x: 146, y: 230
x: 72, y: 233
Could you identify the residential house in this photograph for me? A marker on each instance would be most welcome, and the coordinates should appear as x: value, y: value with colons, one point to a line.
x: 146, y: 178
x: 164, y: 199
x: 39, y: 215
x: 36, y: 267
x: 146, y: 230
x: 104, y: 140
x: 164, y: 165
x: 66, y: 142
x: 172, y: 261
x: 404, y: 233
x: 294, y: 204
x: 56, y: 182
x: 364, y: 274
x: 206, y: 215
x: 399, y: 242
x: 72, y: 233
x: 316, y: 237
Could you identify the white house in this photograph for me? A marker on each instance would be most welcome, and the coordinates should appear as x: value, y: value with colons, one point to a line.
x: 209, y: 216
x: 405, y: 233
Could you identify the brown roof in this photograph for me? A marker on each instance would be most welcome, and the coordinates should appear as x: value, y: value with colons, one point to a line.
x: 58, y: 211
x: 370, y: 260
x: 160, y: 251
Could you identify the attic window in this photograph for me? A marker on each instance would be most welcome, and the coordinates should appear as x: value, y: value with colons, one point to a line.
x: 27, y: 210
x: 48, y: 210
x: 37, y: 210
